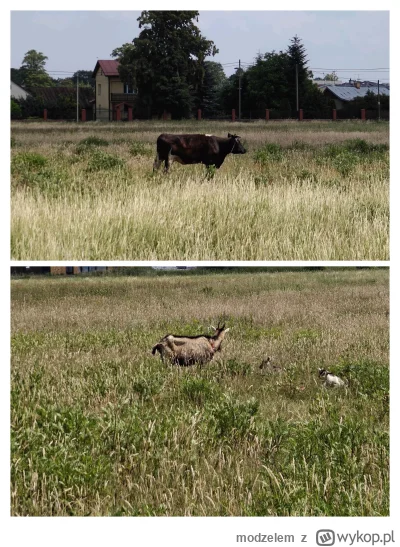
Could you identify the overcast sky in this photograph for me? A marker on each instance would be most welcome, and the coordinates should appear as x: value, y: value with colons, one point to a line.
x: 351, y: 40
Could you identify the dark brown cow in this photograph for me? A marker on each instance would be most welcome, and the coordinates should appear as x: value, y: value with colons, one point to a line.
x: 187, y: 149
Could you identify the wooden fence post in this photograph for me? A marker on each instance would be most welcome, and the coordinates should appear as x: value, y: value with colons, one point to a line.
x: 334, y: 114
x: 130, y: 113
x: 45, y: 114
x: 300, y: 115
x: 266, y: 114
x: 233, y: 114
x: 118, y: 113
x: 199, y: 114
x: 363, y: 116
x: 83, y: 114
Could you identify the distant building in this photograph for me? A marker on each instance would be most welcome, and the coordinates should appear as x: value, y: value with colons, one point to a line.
x: 57, y: 270
x: 111, y: 91
x: 17, y: 92
x: 345, y: 93
x: 50, y: 95
x: 358, y: 84
x: 322, y: 84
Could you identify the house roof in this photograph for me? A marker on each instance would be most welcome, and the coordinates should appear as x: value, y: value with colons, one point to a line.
x: 109, y: 67
x: 19, y: 86
x: 49, y: 94
x: 348, y: 93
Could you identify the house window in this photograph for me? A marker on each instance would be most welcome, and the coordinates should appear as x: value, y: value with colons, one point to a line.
x: 98, y: 89
x: 128, y: 89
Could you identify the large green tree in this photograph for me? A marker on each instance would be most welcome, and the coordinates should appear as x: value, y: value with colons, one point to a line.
x: 230, y: 94
x: 271, y: 83
x: 268, y: 86
x: 297, y: 57
x: 331, y: 77
x: 85, y: 78
x: 34, y: 73
x: 209, y: 99
x: 166, y: 62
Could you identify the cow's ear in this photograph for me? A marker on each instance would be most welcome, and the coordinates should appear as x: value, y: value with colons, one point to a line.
x: 229, y: 135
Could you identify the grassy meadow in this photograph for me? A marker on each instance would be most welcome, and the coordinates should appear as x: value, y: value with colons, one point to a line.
x: 304, y: 191
x: 99, y: 426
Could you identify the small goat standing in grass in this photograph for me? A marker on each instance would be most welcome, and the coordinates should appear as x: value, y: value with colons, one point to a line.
x: 330, y: 379
x: 188, y: 350
x: 270, y: 367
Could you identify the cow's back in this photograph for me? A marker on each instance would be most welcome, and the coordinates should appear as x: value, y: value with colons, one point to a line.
x: 191, y: 148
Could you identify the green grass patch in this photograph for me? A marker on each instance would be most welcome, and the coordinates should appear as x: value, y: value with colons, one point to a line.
x: 93, y: 141
x: 267, y: 153
x: 27, y: 161
x: 101, y: 161
x: 100, y: 426
x: 139, y: 149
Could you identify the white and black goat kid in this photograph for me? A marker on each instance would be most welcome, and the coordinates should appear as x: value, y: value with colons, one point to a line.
x: 330, y: 379
x: 189, y: 350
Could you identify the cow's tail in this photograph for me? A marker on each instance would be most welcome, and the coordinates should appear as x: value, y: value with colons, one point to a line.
x: 157, y: 162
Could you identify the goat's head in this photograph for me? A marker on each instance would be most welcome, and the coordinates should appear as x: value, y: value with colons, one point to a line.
x: 218, y: 336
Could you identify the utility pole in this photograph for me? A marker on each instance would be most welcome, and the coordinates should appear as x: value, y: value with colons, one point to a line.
x: 379, y: 105
x: 77, y: 98
x: 297, y: 89
x: 240, y: 92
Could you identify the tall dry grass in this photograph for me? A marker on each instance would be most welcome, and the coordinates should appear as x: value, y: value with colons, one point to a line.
x: 100, y: 200
x: 101, y: 427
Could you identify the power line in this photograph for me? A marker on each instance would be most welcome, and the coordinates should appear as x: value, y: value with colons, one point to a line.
x: 318, y: 68
x: 360, y: 69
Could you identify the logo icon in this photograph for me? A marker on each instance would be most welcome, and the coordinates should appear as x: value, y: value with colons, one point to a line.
x: 325, y: 537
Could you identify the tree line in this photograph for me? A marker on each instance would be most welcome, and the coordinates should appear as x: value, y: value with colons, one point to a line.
x: 169, y: 68
x: 166, y: 64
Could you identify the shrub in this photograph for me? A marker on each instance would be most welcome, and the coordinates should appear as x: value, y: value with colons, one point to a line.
x: 27, y: 161
x: 93, y: 141
x: 233, y: 419
x: 198, y: 390
x: 345, y: 156
x: 99, y: 160
x: 138, y: 149
x: 16, y: 111
x: 269, y: 152
x: 365, y: 377
x: 86, y: 146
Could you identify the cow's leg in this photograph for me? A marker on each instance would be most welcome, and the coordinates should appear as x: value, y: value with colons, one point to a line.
x: 157, y: 163
x: 168, y: 160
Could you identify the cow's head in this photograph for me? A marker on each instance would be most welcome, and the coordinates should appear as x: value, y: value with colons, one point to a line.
x: 237, y: 147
